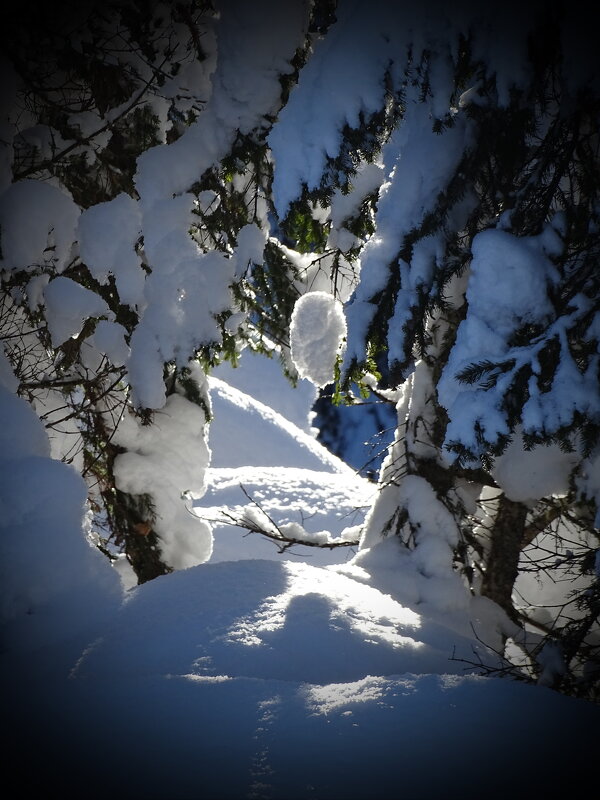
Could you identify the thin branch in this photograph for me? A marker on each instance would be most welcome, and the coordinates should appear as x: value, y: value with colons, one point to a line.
x: 276, y: 534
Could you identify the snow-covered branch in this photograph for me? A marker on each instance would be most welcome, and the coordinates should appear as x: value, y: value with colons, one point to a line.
x: 286, y: 534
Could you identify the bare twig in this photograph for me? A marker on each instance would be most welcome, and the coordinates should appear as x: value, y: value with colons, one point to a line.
x: 283, y: 540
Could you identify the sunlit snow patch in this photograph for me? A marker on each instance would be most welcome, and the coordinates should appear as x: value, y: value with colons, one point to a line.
x: 318, y: 501
x: 245, y: 432
x: 336, y: 696
x: 271, y: 620
x: 263, y: 462
x: 376, y: 617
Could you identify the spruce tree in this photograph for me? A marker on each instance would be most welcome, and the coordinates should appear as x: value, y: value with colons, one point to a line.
x: 493, y: 185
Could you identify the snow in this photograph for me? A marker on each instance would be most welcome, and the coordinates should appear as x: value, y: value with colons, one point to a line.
x: 409, y: 192
x: 500, y: 260
x: 38, y: 225
x: 241, y: 424
x: 23, y: 437
x: 367, y: 180
x: 262, y: 378
x: 62, y: 594
x: 259, y: 679
x: 528, y: 475
x: 244, y: 88
x: 108, y: 339
x: 249, y: 675
x: 551, y: 660
x: 168, y: 461
x: 303, y: 502
x: 8, y: 379
x: 294, y: 481
x: 300, y: 141
x: 66, y: 443
x: 107, y: 234
x: 317, y: 332
x: 588, y: 482
x: 508, y: 288
x: 255, y: 670
x: 68, y: 305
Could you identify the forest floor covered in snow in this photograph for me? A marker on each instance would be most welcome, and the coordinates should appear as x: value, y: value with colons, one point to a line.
x: 256, y: 674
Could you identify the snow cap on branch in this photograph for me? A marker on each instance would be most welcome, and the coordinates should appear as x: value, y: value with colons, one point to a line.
x: 317, y: 331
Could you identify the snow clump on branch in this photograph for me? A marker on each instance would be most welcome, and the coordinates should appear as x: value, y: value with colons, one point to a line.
x: 317, y: 333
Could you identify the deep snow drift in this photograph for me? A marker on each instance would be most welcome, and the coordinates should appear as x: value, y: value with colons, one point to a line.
x: 261, y: 677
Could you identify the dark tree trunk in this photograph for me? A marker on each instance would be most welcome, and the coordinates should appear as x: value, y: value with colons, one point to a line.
x: 144, y: 555
x: 135, y: 517
x: 503, y: 559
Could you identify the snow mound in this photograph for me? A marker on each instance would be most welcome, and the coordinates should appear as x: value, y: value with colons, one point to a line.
x: 262, y: 378
x: 242, y: 426
x: 267, y: 619
x: 273, y: 680
x: 54, y: 586
x: 265, y: 463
